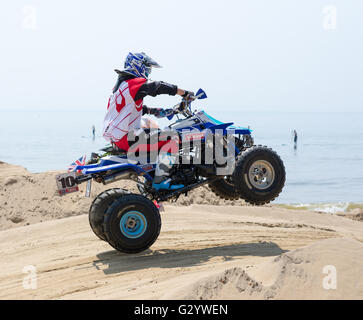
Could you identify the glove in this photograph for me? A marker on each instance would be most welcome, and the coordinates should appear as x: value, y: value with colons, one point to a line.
x: 160, y: 113
x: 167, y: 112
x: 182, y: 106
x: 188, y: 95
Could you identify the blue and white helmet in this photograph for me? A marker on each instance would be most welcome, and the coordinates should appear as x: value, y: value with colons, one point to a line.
x: 140, y: 64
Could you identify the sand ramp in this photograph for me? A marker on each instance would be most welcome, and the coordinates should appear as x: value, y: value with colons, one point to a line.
x: 195, y: 243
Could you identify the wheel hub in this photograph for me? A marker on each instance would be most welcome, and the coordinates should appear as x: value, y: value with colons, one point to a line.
x: 261, y: 174
x: 133, y: 224
x: 130, y: 223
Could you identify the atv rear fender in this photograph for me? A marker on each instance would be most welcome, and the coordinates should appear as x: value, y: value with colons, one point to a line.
x: 119, y: 167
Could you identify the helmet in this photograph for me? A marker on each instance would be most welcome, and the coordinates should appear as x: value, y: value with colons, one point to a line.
x: 140, y: 64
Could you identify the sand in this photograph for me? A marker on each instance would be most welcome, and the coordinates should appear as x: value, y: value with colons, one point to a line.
x: 303, y: 273
x: 212, y: 250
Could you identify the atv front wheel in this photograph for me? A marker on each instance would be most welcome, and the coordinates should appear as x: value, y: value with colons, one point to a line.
x: 98, y: 209
x: 132, y: 224
x: 259, y: 175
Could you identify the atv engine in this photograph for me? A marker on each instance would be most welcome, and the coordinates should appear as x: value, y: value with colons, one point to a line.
x: 183, y: 175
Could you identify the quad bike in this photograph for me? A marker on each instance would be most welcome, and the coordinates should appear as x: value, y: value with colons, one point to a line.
x: 131, y: 222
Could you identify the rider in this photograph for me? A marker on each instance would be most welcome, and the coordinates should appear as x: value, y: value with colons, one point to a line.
x: 125, y: 108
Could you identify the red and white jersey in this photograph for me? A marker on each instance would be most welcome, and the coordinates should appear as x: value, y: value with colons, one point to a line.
x: 123, y: 112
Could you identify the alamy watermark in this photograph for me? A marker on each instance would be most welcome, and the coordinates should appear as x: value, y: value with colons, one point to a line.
x: 329, y: 17
x: 330, y: 280
x: 30, y: 280
x: 188, y: 146
x: 30, y: 19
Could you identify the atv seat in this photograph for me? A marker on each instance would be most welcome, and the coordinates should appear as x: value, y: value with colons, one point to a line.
x: 113, y: 149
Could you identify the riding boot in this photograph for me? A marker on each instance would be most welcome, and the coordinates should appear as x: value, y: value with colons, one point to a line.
x: 162, y: 173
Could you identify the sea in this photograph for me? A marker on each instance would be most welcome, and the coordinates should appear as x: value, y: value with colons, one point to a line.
x: 324, y: 170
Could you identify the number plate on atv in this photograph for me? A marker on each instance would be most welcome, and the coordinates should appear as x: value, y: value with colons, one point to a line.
x: 66, y: 183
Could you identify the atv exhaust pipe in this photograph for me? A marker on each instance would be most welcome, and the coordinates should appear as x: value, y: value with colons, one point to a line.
x: 118, y: 176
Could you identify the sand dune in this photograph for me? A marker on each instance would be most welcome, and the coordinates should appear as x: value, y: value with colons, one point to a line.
x: 203, y: 252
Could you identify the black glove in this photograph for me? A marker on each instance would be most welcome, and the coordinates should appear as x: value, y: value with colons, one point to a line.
x: 188, y: 94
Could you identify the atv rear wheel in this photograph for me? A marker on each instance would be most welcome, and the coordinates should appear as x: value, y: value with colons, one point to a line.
x: 259, y: 175
x: 132, y: 223
x: 224, y: 188
x: 98, y: 209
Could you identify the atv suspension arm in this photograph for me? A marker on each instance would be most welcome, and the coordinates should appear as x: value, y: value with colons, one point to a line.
x: 178, y: 192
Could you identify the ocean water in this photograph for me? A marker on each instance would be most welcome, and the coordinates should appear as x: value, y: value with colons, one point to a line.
x: 325, y: 168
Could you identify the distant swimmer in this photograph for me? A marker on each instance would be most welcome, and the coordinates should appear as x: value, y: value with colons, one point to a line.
x: 294, y: 133
x: 93, y: 132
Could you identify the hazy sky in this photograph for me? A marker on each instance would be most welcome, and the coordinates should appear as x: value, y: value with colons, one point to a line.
x: 283, y: 55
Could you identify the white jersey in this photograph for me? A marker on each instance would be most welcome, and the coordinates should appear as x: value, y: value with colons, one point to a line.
x: 123, y: 114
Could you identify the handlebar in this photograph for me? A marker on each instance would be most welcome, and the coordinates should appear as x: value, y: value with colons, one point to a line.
x: 184, y: 107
